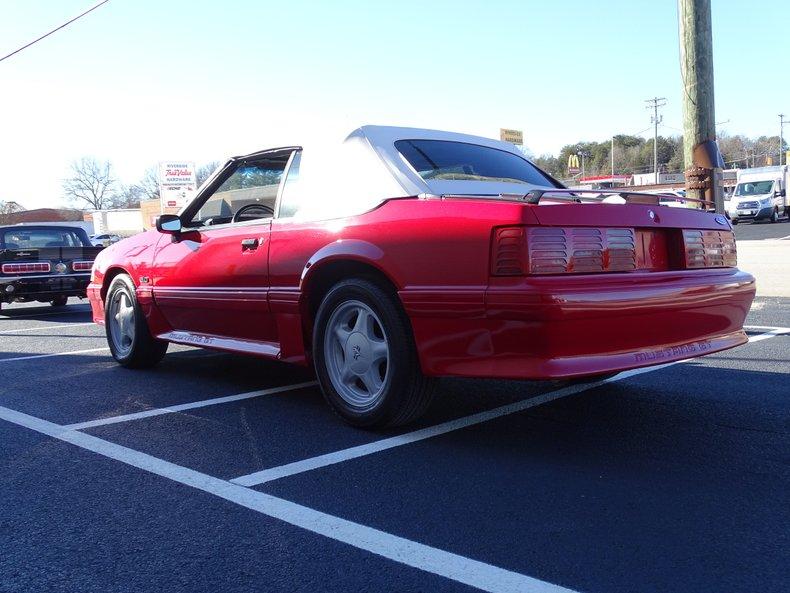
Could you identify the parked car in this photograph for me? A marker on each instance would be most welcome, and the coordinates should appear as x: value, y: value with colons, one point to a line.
x: 105, y: 239
x: 46, y: 263
x: 401, y: 255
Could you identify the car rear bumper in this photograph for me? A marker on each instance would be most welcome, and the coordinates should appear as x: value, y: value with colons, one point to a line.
x: 560, y: 327
x: 42, y: 288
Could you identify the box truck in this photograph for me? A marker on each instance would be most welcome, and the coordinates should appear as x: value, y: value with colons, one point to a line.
x: 760, y: 194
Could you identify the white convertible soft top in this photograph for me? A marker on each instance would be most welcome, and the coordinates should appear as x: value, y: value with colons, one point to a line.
x: 367, y: 168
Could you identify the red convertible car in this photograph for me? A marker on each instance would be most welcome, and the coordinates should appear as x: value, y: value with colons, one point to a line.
x: 399, y: 255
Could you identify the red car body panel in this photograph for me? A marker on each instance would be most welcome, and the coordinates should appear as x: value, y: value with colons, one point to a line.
x: 206, y: 290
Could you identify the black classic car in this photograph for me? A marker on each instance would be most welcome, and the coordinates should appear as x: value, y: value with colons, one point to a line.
x: 46, y: 263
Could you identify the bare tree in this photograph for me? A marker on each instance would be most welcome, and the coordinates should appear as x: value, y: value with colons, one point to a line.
x: 204, y: 171
x: 7, y: 210
x: 148, y: 186
x: 92, y: 183
x: 127, y: 196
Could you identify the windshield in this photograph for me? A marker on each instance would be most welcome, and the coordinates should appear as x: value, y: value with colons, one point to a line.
x: 23, y: 238
x: 452, y: 161
x: 754, y: 188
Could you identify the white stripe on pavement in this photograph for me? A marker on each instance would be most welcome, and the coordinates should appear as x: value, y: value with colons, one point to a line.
x: 32, y: 329
x: 777, y: 331
x: 33, y: 356
x: 781, y: 329
x: 433, y: 560
x: 187, y: 406
x: 305, y: 465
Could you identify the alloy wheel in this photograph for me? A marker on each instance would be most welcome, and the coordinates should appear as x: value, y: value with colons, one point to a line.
x: 122, y: 322
x: 357, y: 354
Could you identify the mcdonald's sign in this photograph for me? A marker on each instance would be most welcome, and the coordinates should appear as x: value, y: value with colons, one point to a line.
x: 573, y: 163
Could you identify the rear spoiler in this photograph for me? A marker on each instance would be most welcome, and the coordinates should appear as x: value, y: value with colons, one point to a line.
x: 631, y: 197
x: 581, y: 196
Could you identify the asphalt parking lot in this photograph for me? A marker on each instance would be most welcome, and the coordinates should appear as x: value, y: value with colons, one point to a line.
x: 749, y: 231
x: 215, y: 472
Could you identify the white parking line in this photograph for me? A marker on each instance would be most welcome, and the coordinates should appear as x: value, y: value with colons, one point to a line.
x: 312, y: 463
x: 34, y: 356
x: 433, y: 560
x: 187, y: 406
x: 40, y: 327
x: 775, y: 331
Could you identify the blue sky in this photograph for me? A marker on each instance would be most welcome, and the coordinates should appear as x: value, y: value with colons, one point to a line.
x: 138, y: 81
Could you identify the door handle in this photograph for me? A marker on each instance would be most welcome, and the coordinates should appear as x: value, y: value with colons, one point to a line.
x: 249, y: 244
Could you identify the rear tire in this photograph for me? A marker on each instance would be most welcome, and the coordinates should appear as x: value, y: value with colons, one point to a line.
x: 59, y: 301
x: 365, y: 358
x: 128, y: 336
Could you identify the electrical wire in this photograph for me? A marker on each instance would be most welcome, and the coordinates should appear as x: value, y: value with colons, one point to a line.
x: 45, y: 35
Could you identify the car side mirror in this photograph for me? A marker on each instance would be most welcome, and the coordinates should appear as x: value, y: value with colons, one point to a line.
x: 169, y: 224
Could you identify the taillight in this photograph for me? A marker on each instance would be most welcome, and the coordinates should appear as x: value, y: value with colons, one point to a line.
x: 562, y: 250
x: 509, y: 252
x: 82, y: 266
x: 26, y: 268
x: 582, y: 250
x: 710, y: 249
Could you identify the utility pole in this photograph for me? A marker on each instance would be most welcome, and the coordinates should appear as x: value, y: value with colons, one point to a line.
x: 782, y: 122
x: 612, y: 154
x: 656, y: 119
x: 702, y: 158
x: 583, y: 154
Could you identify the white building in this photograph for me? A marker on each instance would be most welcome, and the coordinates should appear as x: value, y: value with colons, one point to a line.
x: 121, y: 221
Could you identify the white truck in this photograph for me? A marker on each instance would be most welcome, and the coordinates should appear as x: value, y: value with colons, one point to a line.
x: 760, y: 194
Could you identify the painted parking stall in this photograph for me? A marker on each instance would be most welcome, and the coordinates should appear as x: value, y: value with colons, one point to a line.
x: 504, y: 486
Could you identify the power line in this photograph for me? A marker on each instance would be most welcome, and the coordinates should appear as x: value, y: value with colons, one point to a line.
x: 45, y: 35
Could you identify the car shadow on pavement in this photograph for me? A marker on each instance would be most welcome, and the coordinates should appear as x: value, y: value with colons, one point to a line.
x: 65, y: 315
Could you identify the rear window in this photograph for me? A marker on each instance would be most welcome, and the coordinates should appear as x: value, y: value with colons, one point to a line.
x: 35, y: 238
x: 459, y: 161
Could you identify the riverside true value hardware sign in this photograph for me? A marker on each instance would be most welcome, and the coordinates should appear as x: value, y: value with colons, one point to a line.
x: 177, y: 184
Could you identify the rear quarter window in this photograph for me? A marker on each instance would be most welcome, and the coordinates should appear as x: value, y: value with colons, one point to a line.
x: 458, y: 161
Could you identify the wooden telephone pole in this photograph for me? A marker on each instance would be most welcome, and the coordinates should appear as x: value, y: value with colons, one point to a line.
x: 701, y: 153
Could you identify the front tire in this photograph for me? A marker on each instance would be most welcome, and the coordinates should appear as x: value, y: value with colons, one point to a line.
x: 365, y: 358
x: 128, y: 336
x: 774, y: 216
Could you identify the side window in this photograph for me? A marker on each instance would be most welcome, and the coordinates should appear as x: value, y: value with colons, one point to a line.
x: 249, y: 193
x: 290, y: 201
